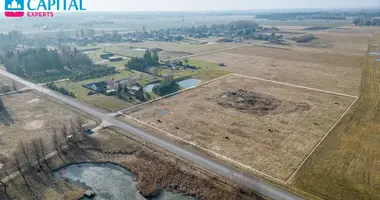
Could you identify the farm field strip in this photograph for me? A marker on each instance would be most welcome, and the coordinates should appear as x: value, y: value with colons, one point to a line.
x: 336, y: 123
x: 225, y: 157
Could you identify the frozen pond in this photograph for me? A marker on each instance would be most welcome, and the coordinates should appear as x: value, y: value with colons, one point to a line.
x: 109, y: 181
x: 139, y: 49
x: 189, y: 83
x: 373, y: 53
x: 149, y: 87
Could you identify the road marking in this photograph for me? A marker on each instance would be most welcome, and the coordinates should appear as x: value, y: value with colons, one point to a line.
x: 336, y: 123
x: 207, y: 150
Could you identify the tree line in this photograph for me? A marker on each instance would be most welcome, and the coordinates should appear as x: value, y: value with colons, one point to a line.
x: 143, y: 64
x: 366, y: 21
x: 45, y: 65
x: 62, y: 90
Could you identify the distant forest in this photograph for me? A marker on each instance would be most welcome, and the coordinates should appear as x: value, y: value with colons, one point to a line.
x: 317, y: 15
x: 44, y: 65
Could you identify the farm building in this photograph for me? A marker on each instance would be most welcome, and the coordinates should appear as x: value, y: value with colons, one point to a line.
x: 106, y: 55
x: 115, y: 58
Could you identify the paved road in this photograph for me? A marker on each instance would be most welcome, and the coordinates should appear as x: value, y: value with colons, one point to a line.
x: 197, y: 158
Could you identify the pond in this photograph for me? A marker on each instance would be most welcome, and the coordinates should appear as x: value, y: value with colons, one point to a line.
x: 139, y: 49
x: 373, y: 53
x: 108, y: 181
x: 149, y: 87
x: 189, y: 83
x: 377, y: 60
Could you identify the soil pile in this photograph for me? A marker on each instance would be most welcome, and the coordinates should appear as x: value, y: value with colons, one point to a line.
x: 258, y: 104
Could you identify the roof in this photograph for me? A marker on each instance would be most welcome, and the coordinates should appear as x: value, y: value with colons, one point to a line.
x: 135, y: 88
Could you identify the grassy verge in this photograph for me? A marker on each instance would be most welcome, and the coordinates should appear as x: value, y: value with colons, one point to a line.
x: 346, y: 165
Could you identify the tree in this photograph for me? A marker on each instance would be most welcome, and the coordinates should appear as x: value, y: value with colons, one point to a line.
x: 82, y: 33
x: 14, y: 87
x: 17, y: 161
x: 155, y: 58
x: 24, y: 149
x: 36, y: 150
x: 148, y: 57
x: 43, y: 150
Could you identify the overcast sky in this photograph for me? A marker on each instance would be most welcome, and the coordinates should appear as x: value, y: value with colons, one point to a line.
x: 194, y: 5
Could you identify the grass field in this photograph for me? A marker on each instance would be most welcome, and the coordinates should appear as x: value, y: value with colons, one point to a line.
x: 346, y: 165
x: 207, y: 71
x: 272, y: 131
x: 110, y: 103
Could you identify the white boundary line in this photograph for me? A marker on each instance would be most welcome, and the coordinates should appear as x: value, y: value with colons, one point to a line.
x: 336, y: 123
x: 234, y: 74
x: 204, y: 149
x: 229, y: 159
x: 210, y: 52
x: 298, y: 86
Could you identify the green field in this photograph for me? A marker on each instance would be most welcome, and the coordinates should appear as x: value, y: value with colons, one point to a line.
x: 207, y: 71
x: 110, y: 103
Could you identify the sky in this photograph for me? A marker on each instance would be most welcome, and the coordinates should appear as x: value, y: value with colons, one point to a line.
x: 212, y: 5
x: 204, y: 5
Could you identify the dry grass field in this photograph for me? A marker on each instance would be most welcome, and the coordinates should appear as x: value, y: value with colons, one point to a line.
x: 338, y: 73
x: 183, y: 46
x: 28, y: 116
x: 347, y: 164
x: 268, y: 126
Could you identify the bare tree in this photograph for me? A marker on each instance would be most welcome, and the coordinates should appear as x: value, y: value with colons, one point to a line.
x: 43, y: 150
x: 56, y: 143
x: 17, y: 161
x: 14, y: 87
x: 4, y: 169
x: 64, y: 133
x: 74, y: 132
x: 24, y: 149
x: 36, y: 150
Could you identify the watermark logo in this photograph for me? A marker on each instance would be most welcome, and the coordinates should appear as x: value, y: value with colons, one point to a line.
x: 14, y: 8
x: 40, y: 8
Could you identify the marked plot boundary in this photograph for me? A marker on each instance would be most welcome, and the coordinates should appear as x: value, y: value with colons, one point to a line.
x: 229, y: 159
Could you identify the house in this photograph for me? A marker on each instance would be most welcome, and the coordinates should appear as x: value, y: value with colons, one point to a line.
x: 115, y: 58
x: 106, y: 55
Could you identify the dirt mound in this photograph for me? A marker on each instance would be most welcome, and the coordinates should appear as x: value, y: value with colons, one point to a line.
x: 258, y: 104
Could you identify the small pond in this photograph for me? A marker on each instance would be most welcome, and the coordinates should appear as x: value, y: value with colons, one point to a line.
x: 109, y: 181
x: 373, y: 53
x: 139, y: 49
x: 149, y: 87
x: 377, y: 60
x: 189, y: 83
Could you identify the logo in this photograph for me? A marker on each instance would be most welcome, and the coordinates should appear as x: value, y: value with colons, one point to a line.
x: 14, y: 8
x: 40, y: 8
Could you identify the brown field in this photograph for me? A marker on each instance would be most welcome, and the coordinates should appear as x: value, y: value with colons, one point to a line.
x: 338, y: 73
x: 30, y: 116
x: 347, y: 164
x: 270, y: 127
